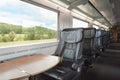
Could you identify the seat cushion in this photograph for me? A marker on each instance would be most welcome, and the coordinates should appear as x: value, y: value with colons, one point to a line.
x: 61, y: 73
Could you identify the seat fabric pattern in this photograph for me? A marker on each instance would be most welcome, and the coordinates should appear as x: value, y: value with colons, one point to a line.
x: 104, y: 39
x: 98, y: 42
x: 88, y: 45
x: 107, y: 38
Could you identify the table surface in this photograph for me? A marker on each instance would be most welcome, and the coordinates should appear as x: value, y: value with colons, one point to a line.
x: 9, y: 71
x: 27, y: 66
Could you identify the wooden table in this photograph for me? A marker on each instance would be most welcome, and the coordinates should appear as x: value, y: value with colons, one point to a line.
x: 10, y: 71
x: 27, y: 66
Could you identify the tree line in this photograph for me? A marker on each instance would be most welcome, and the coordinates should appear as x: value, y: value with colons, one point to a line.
x: 10, y: 32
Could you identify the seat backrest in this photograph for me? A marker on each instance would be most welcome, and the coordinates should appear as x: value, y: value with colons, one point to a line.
x: 107, y: 38
x: 103, y: 39
x: 88, y: 44
x: 111, y: 37
x: 70, y: 45
x: 98, y: 40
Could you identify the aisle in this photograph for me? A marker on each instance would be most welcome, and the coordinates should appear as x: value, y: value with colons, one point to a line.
x: 107, y: 66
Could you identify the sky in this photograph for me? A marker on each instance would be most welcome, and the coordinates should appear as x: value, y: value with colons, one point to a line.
x: 21, y: 13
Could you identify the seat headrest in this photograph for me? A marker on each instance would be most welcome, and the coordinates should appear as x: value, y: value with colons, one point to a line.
x: 103, y: 32
x: 98, y: 33
x: 89, y: 32
x: 72, y: 35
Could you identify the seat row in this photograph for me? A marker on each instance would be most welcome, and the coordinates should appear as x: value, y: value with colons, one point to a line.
x: 78, y: 49
x: 107, y: 65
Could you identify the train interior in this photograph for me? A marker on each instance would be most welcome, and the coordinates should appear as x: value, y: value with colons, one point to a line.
x: 86, y: 53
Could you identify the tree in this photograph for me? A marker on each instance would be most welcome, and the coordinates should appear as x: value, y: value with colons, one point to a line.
x: 5, y: 38
x: 7, y: 28
x: 0, y: 38
x: 30, y: 35
x: 12, y: 36
x: 8, y: 32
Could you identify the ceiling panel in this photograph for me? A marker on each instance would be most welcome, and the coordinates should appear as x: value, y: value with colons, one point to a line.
x: 105, y: 8
x: 116, y: 10
x: 86, y: 8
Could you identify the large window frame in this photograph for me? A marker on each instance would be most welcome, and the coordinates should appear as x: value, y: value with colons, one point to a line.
x: 47, y: 8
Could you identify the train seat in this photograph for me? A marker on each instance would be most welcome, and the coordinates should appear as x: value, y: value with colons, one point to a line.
x: 88, y: 45
x: 70, y: 51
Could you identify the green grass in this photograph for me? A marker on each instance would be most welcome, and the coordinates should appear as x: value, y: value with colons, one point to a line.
x: 24, y: 42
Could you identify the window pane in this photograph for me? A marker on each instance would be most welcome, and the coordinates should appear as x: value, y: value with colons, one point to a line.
x: 95, y: 26
x: 21, y: 22
x: 79, y: 23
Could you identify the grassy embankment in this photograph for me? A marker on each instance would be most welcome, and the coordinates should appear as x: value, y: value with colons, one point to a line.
x: 24, y: 42
x: 21, y: 41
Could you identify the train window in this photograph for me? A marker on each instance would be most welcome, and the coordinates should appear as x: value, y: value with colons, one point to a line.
x: 79, y: 23
x: 21, y: 22
x: 95, y: 26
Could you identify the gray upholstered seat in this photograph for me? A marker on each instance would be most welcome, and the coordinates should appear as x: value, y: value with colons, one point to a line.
x: 103, y: 39
x: 107, y: 38
x: 88, y: 45
x: 98, y: 42
x: 70, y: 51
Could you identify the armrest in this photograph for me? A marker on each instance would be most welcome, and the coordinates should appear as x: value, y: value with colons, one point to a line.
x: 77, y: 65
